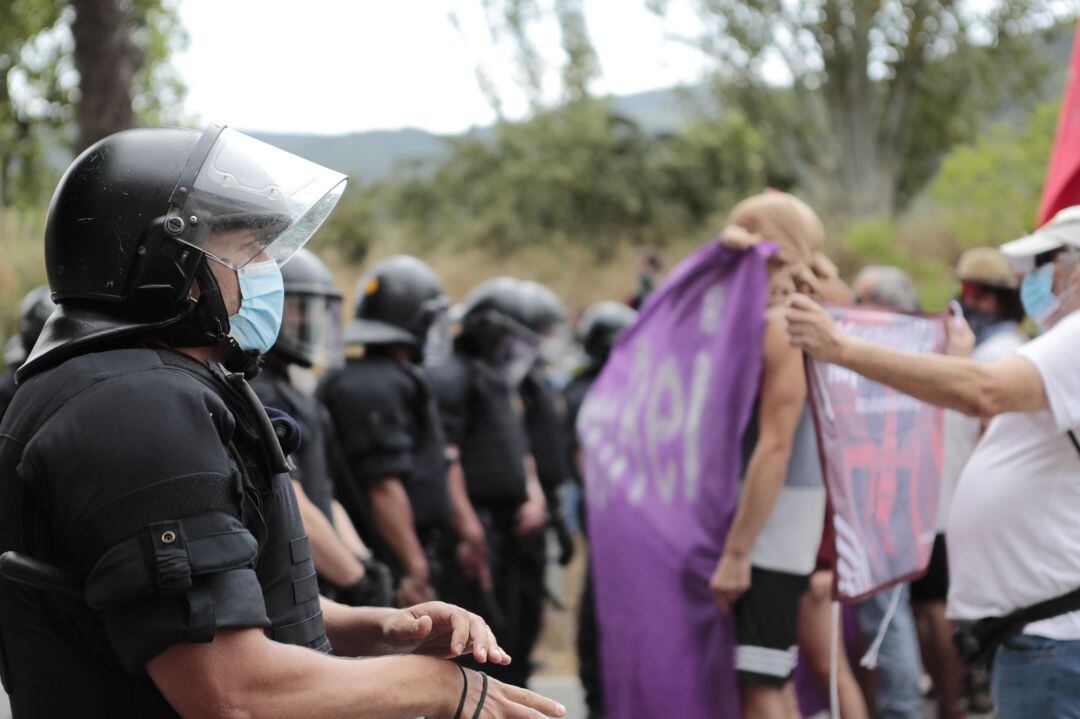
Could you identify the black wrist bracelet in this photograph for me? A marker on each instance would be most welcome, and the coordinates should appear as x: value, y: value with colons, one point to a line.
x: 464, y: 692
x: 483, y: 696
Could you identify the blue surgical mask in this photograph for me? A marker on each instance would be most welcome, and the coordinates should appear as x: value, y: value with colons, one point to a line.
x: 262, y: 302
x: 1037, y: 295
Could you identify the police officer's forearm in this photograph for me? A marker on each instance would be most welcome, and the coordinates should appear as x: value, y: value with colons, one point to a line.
x: 394, y: 518
x: 466, y: 521
x: 333, y: 560
x: 243, y: 673
x: 357, y: 631
x: 347, y: 531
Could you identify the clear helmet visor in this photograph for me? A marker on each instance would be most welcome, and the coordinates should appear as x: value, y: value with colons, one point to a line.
x: 311, y: 329
x: 515, y: 357
x: 439, y: 341
x: 250, y: 199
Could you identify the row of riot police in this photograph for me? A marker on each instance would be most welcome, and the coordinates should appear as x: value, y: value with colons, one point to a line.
x: 194, y: 463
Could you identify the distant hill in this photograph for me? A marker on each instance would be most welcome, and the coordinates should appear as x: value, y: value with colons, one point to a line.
x: 369, y: 156
x: 373, y: 155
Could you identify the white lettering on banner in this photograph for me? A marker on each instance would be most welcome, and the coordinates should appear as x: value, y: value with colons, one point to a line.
x: 662, y: 426
x: 657, y: 415
x: 628, y: 434
x: 699, y: 392
x: 712, y: 309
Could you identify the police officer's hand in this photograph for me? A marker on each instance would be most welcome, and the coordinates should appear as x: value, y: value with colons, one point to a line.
x: 503, y: 701
x: 438, y: 629
x: 472, y: 555
x: 414, y: 590
x: 375, y: 588
x: 531, y: 516
x: 731, y: 579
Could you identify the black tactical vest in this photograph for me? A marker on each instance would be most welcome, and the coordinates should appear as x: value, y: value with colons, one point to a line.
x: 171, y: 561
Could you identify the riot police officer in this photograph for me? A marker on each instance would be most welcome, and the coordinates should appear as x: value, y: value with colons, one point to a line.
x: 387, y: 421
x: 311, y: 336
x: 545, y: 411
x: 35, y: 309
x: 483, y: 415
x: 598, y: 330
x: 154, y: 560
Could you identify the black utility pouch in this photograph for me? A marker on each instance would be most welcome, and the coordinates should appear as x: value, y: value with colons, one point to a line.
x: 977, y: 642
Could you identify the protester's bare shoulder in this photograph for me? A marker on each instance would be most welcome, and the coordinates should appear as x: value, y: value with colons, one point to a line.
x: 777, y: 345
x: 783, y: 375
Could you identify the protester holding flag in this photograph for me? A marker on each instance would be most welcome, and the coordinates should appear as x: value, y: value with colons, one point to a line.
x: 991, y: 303
x: 1012, y: 534
x: 771, y: 548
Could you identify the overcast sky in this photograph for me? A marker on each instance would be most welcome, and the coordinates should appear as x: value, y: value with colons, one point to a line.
x: 333, y: 66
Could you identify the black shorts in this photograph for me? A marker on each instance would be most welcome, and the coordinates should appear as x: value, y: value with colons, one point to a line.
x: 934, y: 585
x: 766, y: 627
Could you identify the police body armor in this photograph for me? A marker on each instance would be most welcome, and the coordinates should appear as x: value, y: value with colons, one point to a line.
x: 491, y: 439
x: 387, y: 424
x: 273, y: 387
x: 544, y: 423
x: 161, y: 553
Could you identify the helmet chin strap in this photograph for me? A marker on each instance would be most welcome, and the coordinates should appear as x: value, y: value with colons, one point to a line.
x: 208, y: 326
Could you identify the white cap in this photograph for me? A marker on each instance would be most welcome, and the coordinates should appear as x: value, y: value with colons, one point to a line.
x: 1062, y: 230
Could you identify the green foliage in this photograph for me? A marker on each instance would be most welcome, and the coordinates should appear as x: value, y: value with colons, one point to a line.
x: 581, y: 174
x: 883, y: 241
x: 988, y: 191
x: 878, y: 91
x: 39, y: 88
x: 351, y: 228
x: 23, y: 266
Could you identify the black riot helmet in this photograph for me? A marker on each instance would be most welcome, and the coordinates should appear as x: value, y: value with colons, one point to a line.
x: 545, y: 311
x: 36, y: 308
x: 495, y: 318
x: 135, y: 219
x: 311, y: 325
x: 600, y: 326
x: 398, y: 301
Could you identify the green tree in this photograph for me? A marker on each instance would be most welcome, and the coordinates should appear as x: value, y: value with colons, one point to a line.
x: 580, y: 174
x: 70, y: 77
x: 988, y: 191
x: 876, y: 90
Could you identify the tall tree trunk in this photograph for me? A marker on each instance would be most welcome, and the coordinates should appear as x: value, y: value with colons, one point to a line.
x: 107, y: 61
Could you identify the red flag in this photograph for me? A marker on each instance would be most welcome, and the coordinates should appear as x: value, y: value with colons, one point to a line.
x: 1062, y: 187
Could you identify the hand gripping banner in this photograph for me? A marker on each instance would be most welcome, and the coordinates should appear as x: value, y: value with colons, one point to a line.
x: 881, y: 456
x: 660, y: 435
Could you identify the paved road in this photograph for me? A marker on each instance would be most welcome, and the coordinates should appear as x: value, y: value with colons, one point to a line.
x: 565, y: 690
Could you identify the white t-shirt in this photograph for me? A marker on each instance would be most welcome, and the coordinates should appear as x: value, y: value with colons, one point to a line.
x: 962, y: 432
x: 1014, y: 528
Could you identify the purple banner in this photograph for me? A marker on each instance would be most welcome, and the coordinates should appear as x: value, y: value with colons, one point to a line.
x: 660, y: 435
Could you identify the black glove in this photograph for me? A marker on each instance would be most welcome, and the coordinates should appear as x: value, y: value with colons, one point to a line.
x: 287, y: 430
x: 375, y: 588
